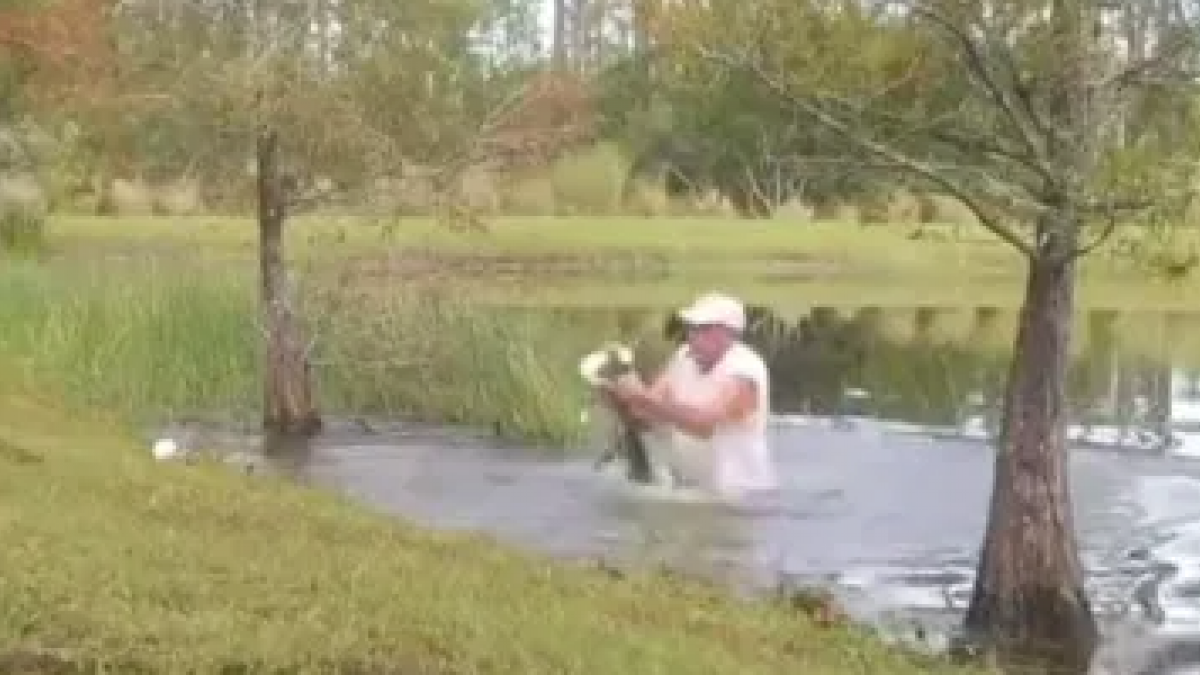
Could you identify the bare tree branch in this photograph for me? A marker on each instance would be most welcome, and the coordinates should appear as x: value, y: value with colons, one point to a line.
x: 937, y: 129
x: 1024, y: 120
x: 1143, y: 71
x: 1112, y: 209
x: 890, y: 154
x: 1109, y: 228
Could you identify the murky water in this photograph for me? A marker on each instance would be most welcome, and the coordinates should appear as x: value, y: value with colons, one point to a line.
x: 882, y: 447
x: 892, y: 516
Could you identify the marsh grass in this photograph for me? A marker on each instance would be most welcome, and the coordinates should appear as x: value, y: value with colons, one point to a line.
x: 436, y: 358
x: 22, y: 234
x: 143, y: 341
x: 157, y: 343
x: 115, y: 563
x: 160, y: 343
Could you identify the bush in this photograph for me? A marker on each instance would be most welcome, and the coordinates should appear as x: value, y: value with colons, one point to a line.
x: 510, y: 371
x: 177, y: 198
x: 528, y: 196
x: 23, y: 213
x: 121, y: 197
x: 590, y: 182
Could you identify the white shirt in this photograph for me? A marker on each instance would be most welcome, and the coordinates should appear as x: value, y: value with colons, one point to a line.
x: 736, y: 459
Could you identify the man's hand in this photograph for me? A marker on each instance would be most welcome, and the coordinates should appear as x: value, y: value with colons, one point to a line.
x: 630, y: 395
x: 627, y: 388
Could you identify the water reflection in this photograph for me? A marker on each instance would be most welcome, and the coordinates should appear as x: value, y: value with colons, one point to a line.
x: 867, y: 363
x: 876, y: 407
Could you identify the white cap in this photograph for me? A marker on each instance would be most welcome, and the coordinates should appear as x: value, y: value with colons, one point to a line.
x: 716, y: 308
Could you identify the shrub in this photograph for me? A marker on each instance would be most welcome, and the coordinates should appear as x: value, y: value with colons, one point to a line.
x: 23, y: 213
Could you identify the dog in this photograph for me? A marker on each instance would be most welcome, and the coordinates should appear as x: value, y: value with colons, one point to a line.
x: 627, y: 443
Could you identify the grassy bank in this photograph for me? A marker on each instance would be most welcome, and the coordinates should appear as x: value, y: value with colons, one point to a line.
x: 1133, y: 294
x: 683, y: 240
x: 157, y: 342
x: 118, y: 564
x: 579, y: 261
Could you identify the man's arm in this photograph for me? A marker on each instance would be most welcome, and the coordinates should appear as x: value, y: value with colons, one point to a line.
x: 736, y: 397
x: 660, y: 388
x: 632, y: 409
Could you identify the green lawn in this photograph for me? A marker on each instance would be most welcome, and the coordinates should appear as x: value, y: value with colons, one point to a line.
x: 647, y: 261
x: 681, y: 240
x: 113, y: 562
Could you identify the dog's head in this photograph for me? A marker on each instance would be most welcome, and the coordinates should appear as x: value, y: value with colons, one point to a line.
x: 607, y: 364
x: 618, y: 361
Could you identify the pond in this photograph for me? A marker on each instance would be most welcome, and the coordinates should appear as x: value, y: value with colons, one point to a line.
x: 881, y: 433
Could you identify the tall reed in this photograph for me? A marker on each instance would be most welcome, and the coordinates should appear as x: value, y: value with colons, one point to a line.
x: 156, y: 342
x: 444, y: 359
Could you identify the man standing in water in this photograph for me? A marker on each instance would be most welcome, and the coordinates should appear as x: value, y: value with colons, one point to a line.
x: 713, y: 396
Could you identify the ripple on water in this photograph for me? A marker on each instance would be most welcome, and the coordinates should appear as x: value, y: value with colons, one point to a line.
x: 921, y: 590
x: 1188, y: 444
x: 1171, y: 511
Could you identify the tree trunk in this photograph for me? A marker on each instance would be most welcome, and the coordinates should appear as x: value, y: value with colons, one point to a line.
x: 1160, y: 402
x: 1029, y: 602
x: 289, y: 409
x: 558, y: 36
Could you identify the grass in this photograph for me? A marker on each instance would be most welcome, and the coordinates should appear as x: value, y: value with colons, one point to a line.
x: 146, y: 340
x: 158, y: 342
x: 649, y: 261
x: 116, y: 564
x: 163, y: 332
x: 682, y: 241
x: 22, y: 233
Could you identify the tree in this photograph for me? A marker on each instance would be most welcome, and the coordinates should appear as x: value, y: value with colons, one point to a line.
x: 265, y: 91
x: 396, y: 104
x: 58, y: 49
x: 703, y: 128
x: 1031, y: 115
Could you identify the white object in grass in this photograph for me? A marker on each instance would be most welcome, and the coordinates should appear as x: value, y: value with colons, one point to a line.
x: 165, y: 448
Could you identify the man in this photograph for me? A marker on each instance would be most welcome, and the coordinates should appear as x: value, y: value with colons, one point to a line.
x: 714, y: 398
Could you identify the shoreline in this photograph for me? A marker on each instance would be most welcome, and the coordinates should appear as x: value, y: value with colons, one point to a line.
x: 119, y: 559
